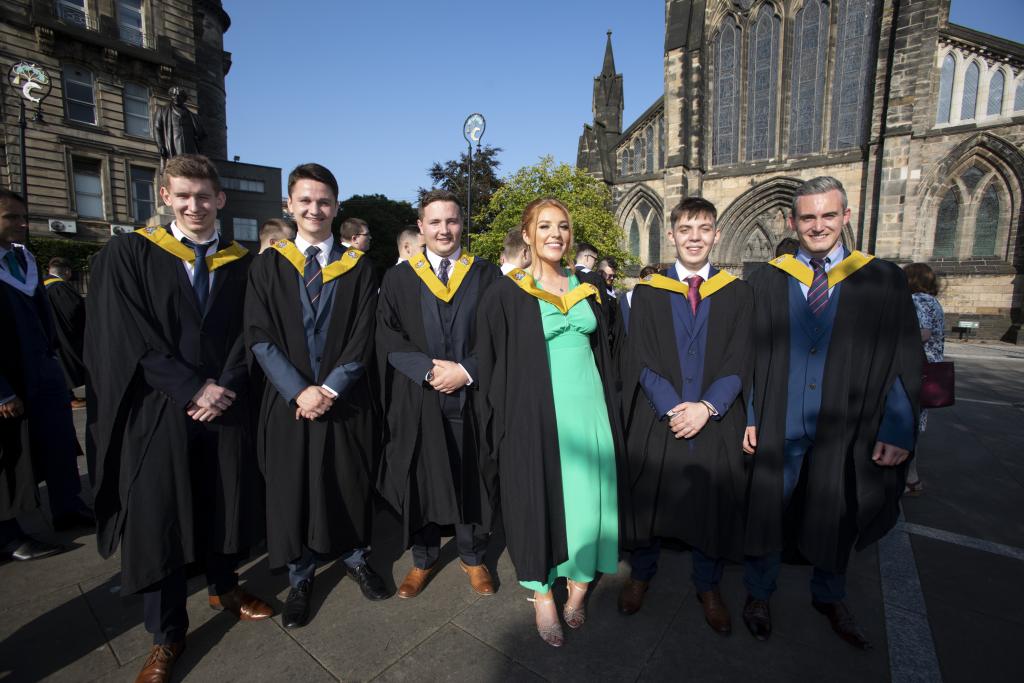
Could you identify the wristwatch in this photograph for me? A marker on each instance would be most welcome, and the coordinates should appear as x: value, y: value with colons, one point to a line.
x: 430, y: 375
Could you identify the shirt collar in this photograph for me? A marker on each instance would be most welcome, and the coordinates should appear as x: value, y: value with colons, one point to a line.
x: 179, y: 235
x: 837, y: 254
x: 325, y: 247
x: 683, y: 272
x: 435, y: 260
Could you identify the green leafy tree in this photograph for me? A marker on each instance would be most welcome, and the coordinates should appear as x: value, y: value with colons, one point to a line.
x: 588, y: 199
x: 451, y: 176
x: 386, y: 217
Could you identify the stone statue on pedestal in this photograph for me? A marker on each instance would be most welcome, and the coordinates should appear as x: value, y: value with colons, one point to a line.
x: 176, y: 128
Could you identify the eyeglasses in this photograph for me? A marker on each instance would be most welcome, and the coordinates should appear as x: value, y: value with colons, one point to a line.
x: 363, y: 234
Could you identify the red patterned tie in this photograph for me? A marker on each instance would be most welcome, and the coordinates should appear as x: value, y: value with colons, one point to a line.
x: 817, y: 294
x: 693, y: 294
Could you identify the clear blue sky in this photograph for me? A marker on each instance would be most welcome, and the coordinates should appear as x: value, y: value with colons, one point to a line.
x: 378, y: 91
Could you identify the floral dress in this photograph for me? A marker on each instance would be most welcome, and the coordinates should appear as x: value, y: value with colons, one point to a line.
x: 930, y: 317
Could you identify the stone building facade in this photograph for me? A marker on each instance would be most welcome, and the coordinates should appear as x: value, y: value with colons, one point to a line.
x: 92, y: 161
x: 922, y: 120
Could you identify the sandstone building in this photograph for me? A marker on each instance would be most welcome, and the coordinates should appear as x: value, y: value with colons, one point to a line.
x: 92, y: 162
x: 921, y: 119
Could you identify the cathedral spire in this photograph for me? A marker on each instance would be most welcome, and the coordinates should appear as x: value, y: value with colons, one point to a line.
x: 608, y: 102
x: 609, y: 59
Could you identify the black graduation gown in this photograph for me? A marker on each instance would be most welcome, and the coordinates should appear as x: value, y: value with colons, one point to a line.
x: 319, y: 473
x: 844, y: 499
x: 519, y: 429
x: 416, y: 476
x: 148, y: 350
x: 688, y: 489
x: 68, y: 308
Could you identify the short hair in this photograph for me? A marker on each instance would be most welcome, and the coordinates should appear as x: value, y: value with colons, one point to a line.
x: 514, y: 243
x: 648, y: 270
x: 528, y: 222
x: 921, y: 278
x: 276, y: 228
x: 10, y: 195
x: 610, y: 262
x: 582, y: 247
x: 312, y: 172
x: 819, y: 185
x: 350, y: 227
x: 691, y: 207
x: 409, y: 233
x: 193, y: 167
x: 59, y: 263
x: 787, y: 245
x: 429, y: 198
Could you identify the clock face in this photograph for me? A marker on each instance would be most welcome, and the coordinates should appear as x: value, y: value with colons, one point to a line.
x: 473, y: 129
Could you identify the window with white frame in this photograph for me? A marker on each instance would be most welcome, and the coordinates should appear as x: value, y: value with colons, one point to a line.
x: 129, y: 22
x: 143, y: 195
x: 995, y: 93
x: 969, y: 104
x: 79, y: 95
x: 136, y: 110
x: 88, y: 187
x: 246, y: 229
x: 73, y: 12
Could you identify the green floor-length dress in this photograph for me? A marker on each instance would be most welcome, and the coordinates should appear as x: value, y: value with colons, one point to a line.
x: 585, y: 446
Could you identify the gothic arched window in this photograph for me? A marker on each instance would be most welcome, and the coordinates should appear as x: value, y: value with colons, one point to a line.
x: 946, y: 90
x: 727, y: 94
x: 995, y: 93
x: 638, y: 155
x: 969, y: 104
x: 854, y: 69
x: 1018, y: 97
x: 809, y: 58
x: 945, y: 225
x: 986, y: 225
x: 661, y: 141
x: 654, y: 239
x: 762, y: 80
x: 650, y: 148
x: 634, y: 238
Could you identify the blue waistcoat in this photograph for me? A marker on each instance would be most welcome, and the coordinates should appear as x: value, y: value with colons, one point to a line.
x: 809, y: 337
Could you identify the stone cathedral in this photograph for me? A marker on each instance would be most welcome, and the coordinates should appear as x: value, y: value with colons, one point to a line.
x: 922, y: 120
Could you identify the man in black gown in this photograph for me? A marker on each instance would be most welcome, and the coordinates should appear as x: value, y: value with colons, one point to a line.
x: 68, y: 308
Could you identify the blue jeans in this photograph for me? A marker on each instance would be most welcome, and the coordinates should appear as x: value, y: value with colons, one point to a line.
x: 761, y: 573
x: 707, y: 571
x: 304, y: 567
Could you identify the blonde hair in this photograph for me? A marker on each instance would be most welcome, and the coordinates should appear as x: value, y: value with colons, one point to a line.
x: 528, y: 224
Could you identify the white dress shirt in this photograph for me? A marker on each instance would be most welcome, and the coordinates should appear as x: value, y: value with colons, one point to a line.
x: 190, y: 267
x: 325, y: 248
x: 837, y: 254
x: 682, y: 272
x: 507, y: 268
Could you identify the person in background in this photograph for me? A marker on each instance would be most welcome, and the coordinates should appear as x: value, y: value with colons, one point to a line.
x: 516, y: 253
x: 626, y: 301
x: 68, y: 309
x: 275, y: 230
x: 586, y: 257
x: 924, y: 287
x: 355, y: 234
x: 787, y: 245
x: 410, y: 243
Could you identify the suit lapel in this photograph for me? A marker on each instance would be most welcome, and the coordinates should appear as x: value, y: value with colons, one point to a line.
x: 703, y: 309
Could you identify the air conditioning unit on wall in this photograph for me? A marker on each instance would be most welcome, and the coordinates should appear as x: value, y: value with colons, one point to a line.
x: 62, y: 226
x: 116, y: 230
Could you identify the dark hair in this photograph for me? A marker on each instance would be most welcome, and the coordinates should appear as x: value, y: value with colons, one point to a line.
x: 648, y: 270
x: 514, y: 243
x: 350, y: 227
x: 59, y: 262
x: 690, y: 207
x: 193, y: 167
x: 275, y: 227
x: 585, y: 246
x: 429, y: 198
x: 312, y: 172
x: 9, y: 195
x: 921, y: 278
x: 787, y: 245
x: 410, y: 232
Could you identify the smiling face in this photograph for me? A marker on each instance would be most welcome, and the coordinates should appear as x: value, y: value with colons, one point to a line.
x: 13, y: 222
x: 441, y: 227
x: 550, y: 235
x: 314, y: 205
x: 195, y: 203
x: 693, y: 236
x: 818, y: 222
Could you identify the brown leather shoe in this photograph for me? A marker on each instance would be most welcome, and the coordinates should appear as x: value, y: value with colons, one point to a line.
x: 414, y: 582
x: 244, y: 606
x: 843, y: 623
x: 631, y: 597
x: 715, y: 612
x: 159, y: 663
x: 479, y: 578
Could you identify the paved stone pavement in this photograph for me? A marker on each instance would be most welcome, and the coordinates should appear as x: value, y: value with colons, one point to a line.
x: 941, y: 596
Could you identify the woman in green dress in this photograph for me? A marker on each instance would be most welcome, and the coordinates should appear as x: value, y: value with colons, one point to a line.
x: 551, y: 432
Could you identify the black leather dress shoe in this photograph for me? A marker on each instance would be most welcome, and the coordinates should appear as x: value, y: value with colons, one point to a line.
x: 372, y: 585
x: 28, y: 548
x: 843, y: 623
x: 296, y: 606
x: 758, y: 618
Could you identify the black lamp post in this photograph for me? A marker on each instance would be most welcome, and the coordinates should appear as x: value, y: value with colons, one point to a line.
x: 473, y: 131
x: 34, y: 84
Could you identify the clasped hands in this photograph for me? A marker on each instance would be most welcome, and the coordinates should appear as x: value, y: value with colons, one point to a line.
x: 13, y: 408
x: 210, y: 402
x: 884, y: 454
x: 447, y: 376
x: 687, y: 419
x: 313, y: 402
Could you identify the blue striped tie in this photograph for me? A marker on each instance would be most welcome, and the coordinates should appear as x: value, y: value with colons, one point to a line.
x: 817, y: 294
x: 313, y: 276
